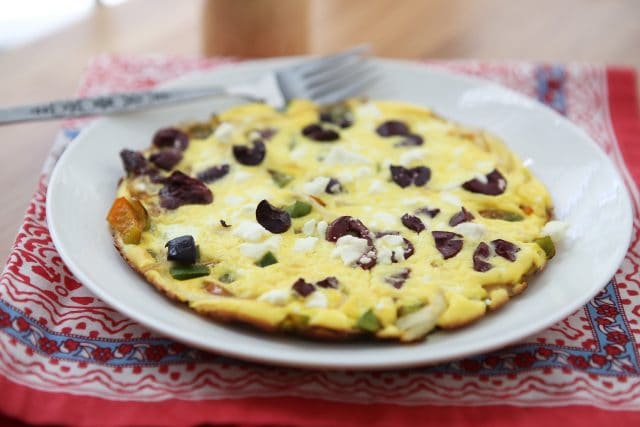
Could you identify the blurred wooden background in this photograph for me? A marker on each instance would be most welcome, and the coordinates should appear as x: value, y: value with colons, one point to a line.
x: 549, y: 30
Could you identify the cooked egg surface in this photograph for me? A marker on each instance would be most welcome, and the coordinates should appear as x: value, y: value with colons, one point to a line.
x: 399, y: 278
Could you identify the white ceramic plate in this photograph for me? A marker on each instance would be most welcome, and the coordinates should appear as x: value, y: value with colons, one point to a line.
x: 586, y: 189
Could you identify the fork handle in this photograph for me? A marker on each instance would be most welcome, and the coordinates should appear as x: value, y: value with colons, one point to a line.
x: 104, y: 104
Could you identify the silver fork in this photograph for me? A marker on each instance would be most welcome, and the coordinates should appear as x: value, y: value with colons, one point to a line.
x: 323, y: 80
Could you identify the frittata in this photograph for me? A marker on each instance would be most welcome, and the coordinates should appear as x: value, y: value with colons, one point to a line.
x: 368, y: 218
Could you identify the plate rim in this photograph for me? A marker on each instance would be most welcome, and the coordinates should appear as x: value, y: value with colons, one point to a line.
x: 501, y: 342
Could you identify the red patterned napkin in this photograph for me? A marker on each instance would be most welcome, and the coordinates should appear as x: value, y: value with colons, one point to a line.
x: 67, y: 358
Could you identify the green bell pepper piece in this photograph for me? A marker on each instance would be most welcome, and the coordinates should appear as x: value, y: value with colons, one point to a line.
x: 547, y: 246
x: 267, y: 259
x: 298, y: 209
x: 279, y: 178
x: 186, y: 272
x: 369, y: 322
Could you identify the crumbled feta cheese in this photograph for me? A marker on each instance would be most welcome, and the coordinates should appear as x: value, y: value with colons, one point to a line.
x: 376, y: 186
x: 305, y: 244
x: 481, y: 177
x: 391, y: 240
x: 223, y: 132
x: 317, y: 185
x: 339, y: 156
x: 140, y: 186
x: 233, y: 199
x: 317, y: 300
x: 471, y: 230
x: 276, y: 296
x: 450, y: 198
x: 412, y: 202
x: 451, y: 186
x: 350, y: 249
x: 555, y: 229
x: 368, y: 110
x: 250, y: 231
x: 364, y: 171
x: 411, y: 156
x: 241, y: 176
x: 254, y: 250
x: 345, y: 177
x: 299, y: 153
x: 398, y: 254
x: 322, y: 228
x: 309, y: 227
x: 388, y: 247
x: 384, y: 220
x: 248, y: 208
x: 335, y: 188
x: 502, y: 184
x: 257, y: 250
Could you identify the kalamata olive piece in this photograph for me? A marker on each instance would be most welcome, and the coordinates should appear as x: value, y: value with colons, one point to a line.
x: 250, y: 156
x: 166, y: 159
x: 406, y: 245
x: 180, y: 189
x: 213, y: 173
x: 267, y: 133
x: 379, y: 234
x: 411, y: 140
x: 275, y: 220
x: 421, y: 175
x: 401, y: 176
x: 333, y: 186
x: 447, y: 243
x: 347, y: 225
x: 134, y: 162
x: 505, y: 249
x: 493, y: 185
x: 311, y: 129
x: 404, y: 177
x: 303, y: 288
x: 369, y: 259
x: 428, y: 211
x: 320, y: 134
x: 329, y: 282
x: 412, y: 223
x: 397, y: 279
x: 460, y: 217
x: 408, y: 250
x: 171, y: 138
x: 344, y: 225
x: 480, y: 256
x: 392, y: 128
x: 182, y: 249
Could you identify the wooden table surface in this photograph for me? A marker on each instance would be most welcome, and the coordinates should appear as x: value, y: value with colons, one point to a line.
x: 550, y: 30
